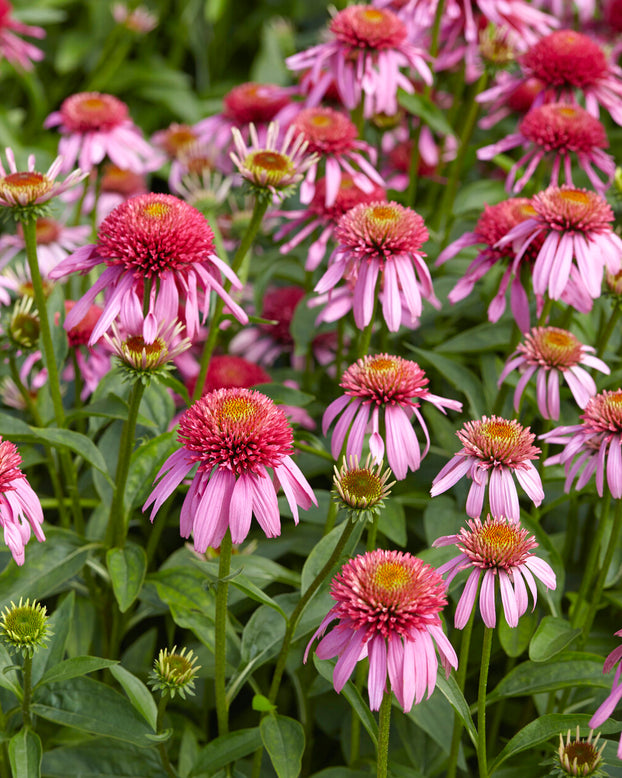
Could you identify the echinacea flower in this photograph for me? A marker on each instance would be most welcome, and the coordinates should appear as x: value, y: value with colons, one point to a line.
x: 388, y: 605
x: 574, y: 233
x: 494, y: 449
x: 383, y: 388
x: 361, y: 489
x: 272, y: 167
x: 497, y: 549
x: 20, y: 509
x: 563, y: 130
x: 55, y: 241
x: 26, y: 189
x: 551, y: 353
x: 596, y: 443
x: 174, y: 672
x: 580, y: 757
x: 25, y: 628
x: 234, y: 435
x: 95, y: 125
x: 156, y: 238
x: 381, y: 239
x: 609, y: 705
x: 12, y: 47
x: 367, y: 49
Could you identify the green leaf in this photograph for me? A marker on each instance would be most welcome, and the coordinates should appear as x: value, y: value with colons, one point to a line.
x: 176, y: 386
x: 284, y: 740
x: 284, y: 395
x: 127, y: 567
x: 449, y: 688
x: 15, y: 429
x: 102, y: 758
x: 426, y: 110
x: 263, y: 632
x: 25, y: 754
x: 353, y: 696
x: 73, y: 668
x: 476, y: 194
x: 60, y: 624
x: 392, y: 522
x: 90, y: 706
x: 158, y: 406
x: 8, y: 677
x: 483, y: 337
x: 546, y: 727
x: 321, y: 553
x: 226, y: 749
x: 245, y: 585
x: 262, y: 704
x: 73, y: 441
x: 578, y: 669
x: 139, y: 695
x: 183, y: 587
x: 458, y: 376
x: 551, y: 637
x: 146, y: 461
x: 514, y: 640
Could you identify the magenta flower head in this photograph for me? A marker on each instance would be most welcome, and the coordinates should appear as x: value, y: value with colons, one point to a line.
x: 381, y: 239
x: 363, y: 56
x: 499, y: 549
x: 156, y: 238
x: 563, y: 130
x: 96, y: 125
x: 20, y: 509
x: 234, y: 435
x: 573, y: 229
x: 496, y: 449
x: 388, y: 605
x: 12, y: 47
x: 609, y: 705
x: 596, y: 443
x: 391, y: 385
x: 551, y: 353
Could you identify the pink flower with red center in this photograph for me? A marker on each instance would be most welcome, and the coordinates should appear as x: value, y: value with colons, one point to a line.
x: 234, y: 435
x: 20, y: 509
x: 494, y: 223
x: 562, y: 129
x: 391, y: 385
x: 551, y: 353
x: 606, y: 709
x: 12, y: 47
x: 387, y: 605
x: 153, y: 238
x: 510, y: 95
x: 95, y: 126
x: 497, y: 550
x: 573, y: 231
x: 319, y: 216
x: 381, y: 239
x: 333, y: 137
x: 494, y: 449
x: 54, y: 242
x: 594, y: 446
x: 368, y: 46
x: 25, y: 188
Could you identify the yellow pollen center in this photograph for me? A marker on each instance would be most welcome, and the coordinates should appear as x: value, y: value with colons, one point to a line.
x: 383, y: 213
x: 527, y: 211
x: 382, y: 365
x: 156, y: 210
x: 615, y: 400
x: 237, y: 409
x: 92, y: 104
x: 321, y: 120
x: 25, y: 180
x: 361, y: 484
x: 391, y: 576
x: 567, y: 112
x: 574, y: 196
x: 560, y: 340
x: 177, y: 139
x: 498, y: 536
x: 373, y: 15
x: 271, y: 161
x: 499, y: 432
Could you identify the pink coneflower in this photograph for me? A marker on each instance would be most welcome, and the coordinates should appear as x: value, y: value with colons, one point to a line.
x: 495, y: 449
x: 32, y: 377
x: 494, y: 223
x: 564, y: 130
x: 140, y: 19
x: 12, y: 47
x: 159, y: 239
x: 93, y: 361
x: 319, y: 216
x: 368, y: 46
x: 550, y: 352
x: 96, y: 125
x: 381, y: 239
x: 596, y: 443
x: 333, y: 137
x: 394, y: 386
x: 234, y: 435
x: 20, y: 509
x: 609, y: 705
x: 54, y: 242
x: 577, y: 240
x: 274, y: 166
x: 24, y: 188
x: 388, y: 605
x: 499, y: 549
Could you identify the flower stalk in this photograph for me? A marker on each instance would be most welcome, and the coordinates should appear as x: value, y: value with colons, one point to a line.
x: 384, y: 730
x: 220, y: 647
x: 481, y: 703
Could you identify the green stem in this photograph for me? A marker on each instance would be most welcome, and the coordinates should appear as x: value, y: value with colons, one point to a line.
x: 27, y: 679
x: 166, y: 764
x: 117, y: 528
x: 546, y: 310
x: 365, y: 338
x: 384, y: 730
x: 589, y: 571
x: 481, y: 702
x: 220, y: 647
x: 259, y: 210
x: 5, y: 771
x: 602, y: 575
x: 318, y: 452
x: 611, y: 325
x: 461, y: 673
x: 331, y: 517
x: 341, y: 324
x: 29, y: 226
